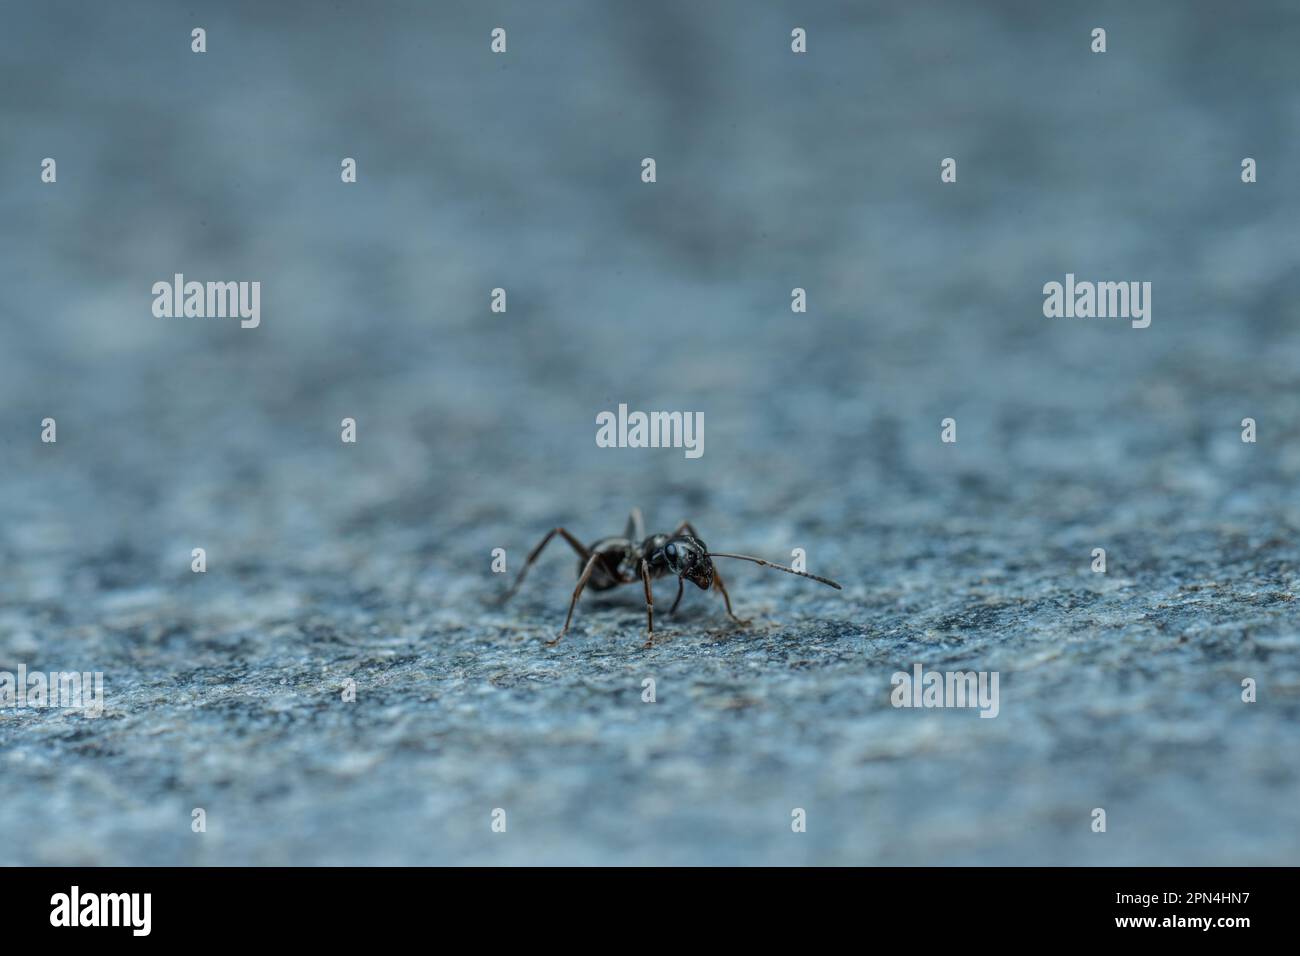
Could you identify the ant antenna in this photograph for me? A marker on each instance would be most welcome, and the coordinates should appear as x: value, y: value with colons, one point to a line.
x: 779, y: 567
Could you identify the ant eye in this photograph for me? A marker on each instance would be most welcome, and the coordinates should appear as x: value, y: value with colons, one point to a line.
x: 670, y: 550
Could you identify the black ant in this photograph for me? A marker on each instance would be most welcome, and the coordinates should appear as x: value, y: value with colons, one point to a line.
x: 610, y: 562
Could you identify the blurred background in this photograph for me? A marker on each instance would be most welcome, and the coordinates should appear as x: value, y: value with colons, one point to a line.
x: 371, y: 562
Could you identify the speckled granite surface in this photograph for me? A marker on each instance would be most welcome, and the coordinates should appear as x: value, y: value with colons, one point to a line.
x: 370, y: 562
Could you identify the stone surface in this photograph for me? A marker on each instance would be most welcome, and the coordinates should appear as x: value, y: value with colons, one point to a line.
x: 370, y: 562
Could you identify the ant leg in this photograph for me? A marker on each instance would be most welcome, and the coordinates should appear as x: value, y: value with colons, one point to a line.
x: 635, y: 530
x: 649, y: 605
x: 717, y: 583
x: 582, y: 583
x: 680, y: 585
x: 574, y: 542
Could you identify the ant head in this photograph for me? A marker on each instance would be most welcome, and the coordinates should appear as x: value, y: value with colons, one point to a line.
x: 688, y: 557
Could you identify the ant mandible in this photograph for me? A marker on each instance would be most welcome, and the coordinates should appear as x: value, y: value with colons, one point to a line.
x: 611, y: 562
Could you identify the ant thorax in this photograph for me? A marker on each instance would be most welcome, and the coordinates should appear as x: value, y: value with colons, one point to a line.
x: 652, y: 550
